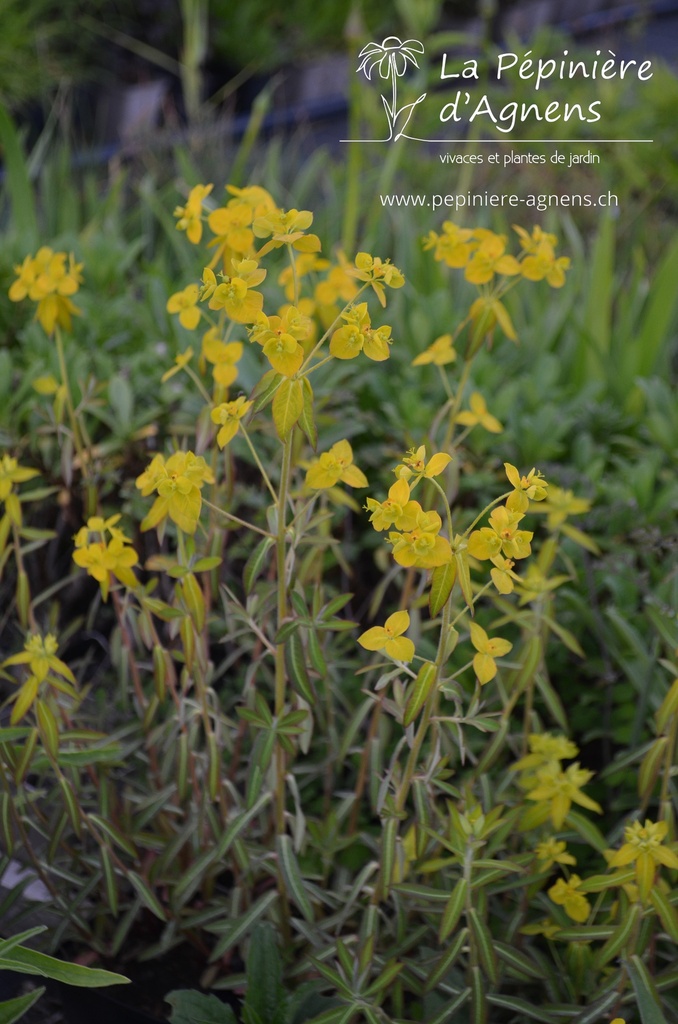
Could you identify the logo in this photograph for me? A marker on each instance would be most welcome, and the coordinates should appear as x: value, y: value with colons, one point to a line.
x: 389, y: 60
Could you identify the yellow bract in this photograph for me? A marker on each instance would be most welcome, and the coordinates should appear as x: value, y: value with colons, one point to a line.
x: 528, y: 488
x: 557, y: 790
x: 397, y: 510
x: 478, y: 414
x: 388, y: 638
x: 178, y: 482
x: 47, y: 280
x: 359, y: 336
x: 440, y: 352
x: 190, y: 215
x: 566, y: 894
x: 484, y: 664
x: 644, y: 846
x: 502, y: 535
x: 553, y: 851
x: 185, y: 304
x: 334, y: 466
x: 229, y: 415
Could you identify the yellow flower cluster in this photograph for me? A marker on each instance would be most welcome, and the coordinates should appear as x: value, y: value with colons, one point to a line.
x: 178, y: 482
x: 334, y: 466
x: 39, y: 654
x: 482, y: 254
x: 47, y: 279
x: 108, y: 553
x: 644, y: 847
x: 12, y: 473
x: 553, y: 789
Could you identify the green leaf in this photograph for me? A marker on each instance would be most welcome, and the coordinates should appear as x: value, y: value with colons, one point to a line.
x: 524, y: 1009
x: 442, y: 581
x: 481, y: 938
x: 420, y: 689
x: 256, y: 562
x: 147, y: 897
x: 18, y: 182
x: 266, y: 995
x: 619, y: 938
x: 288, y: 405
x: 191, y: 1007
x: 14, y: 1009
x: 645, y: 992
x: 453, y: 910
x: 121, y: 400
x: 666, y: 911
x: 264, y: 390
x: 293, y: 880
x: 296, y: 659
x: 29, y: 961
x: 307, y: 419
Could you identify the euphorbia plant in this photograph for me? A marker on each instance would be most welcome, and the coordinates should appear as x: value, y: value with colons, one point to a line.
x: 405, y: 834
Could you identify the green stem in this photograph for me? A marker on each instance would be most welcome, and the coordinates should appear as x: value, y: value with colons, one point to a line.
x: 75, y: 428
x: 665, y: 811
x: 259, y: 463
x: 487, y: 508
x: 235, y: 519
x: 456, y: 404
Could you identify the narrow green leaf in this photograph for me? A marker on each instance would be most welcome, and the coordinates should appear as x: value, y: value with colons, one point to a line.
x: 264, y: 390
x: 442, y: 581
x: 29, y: 961
x: 525, y: 1009
x: 296, y: 660
x: 256, y: 563
x: 453, y: 909
x: 307, y: 419
x: 482, y: 939
x: 147, y: 897
x: 619, y: 938
x: 419, y: 691
x: 192, y: 1007
x: 14, y: 1009
x: 666, y: 911
x: 293, y: 880
x: 446, y: 961
x: 645, y: 992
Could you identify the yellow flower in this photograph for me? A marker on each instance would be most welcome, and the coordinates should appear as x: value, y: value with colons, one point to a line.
x: 389, y: 639
x: 378, y: 273
x: 530, y: 243
x: 241, y: 303
x: 422, y: 547
x: 185, y: 304
x: 546, y: 749
x: 414, y: 464
x: 643, y: 844
x: 545, y: 927
x: 286, y: 228
x: 478, y: 414
x: 359, y: 336
x: 566, y: 894
x: 560, y: 789
x: 39, y: 654
x: 490, y: 259
x: 280, y: 337
x: 487, y: 649
x: 228, y: 415
x: 334, y: 466
x: 102, y: 557
x: 502, y: 535
x: 528, y: 488
x: 542, y: 263
x: 561, y: 504
x: 46, y: 279
x: 12, y: 473
x: 232, y: 226
x: 502, y: 574
x: 553, y: 851
x: 178, y: 483
x: 453, y: 247
x: 190, y: 215
x: 397, y: 510
x: 440, y: 352
x: 223, y: 356
x: 180, y: 361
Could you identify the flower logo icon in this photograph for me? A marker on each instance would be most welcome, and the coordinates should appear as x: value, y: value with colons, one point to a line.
x: 391, y: 58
